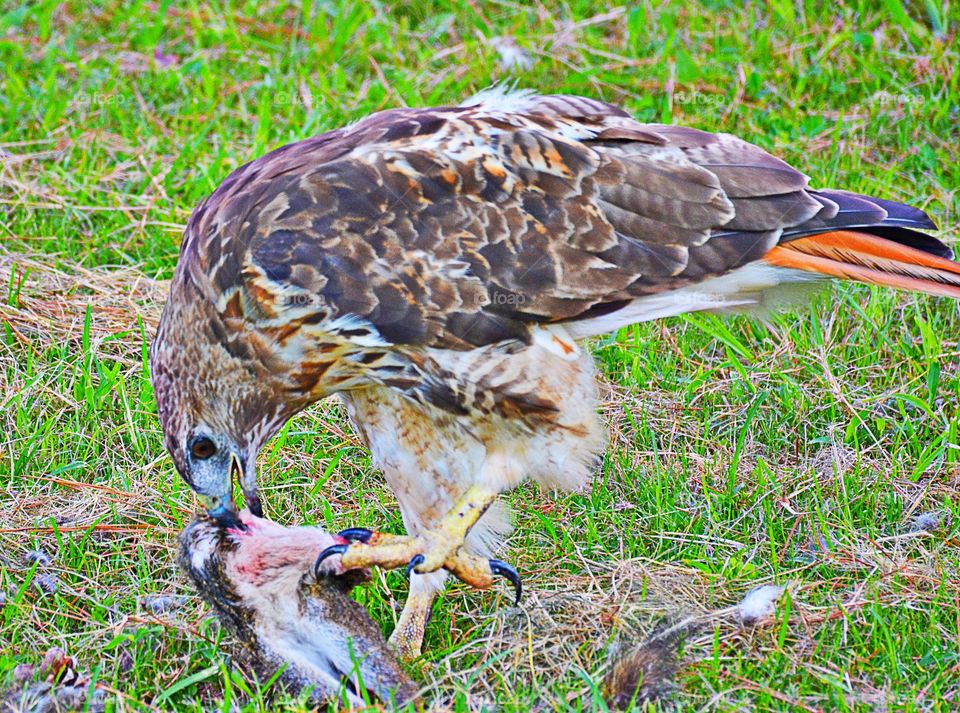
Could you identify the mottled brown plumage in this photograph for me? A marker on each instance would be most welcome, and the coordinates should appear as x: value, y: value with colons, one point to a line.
x: 436, y: 266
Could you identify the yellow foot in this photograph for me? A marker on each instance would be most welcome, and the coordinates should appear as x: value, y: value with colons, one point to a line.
x: 423, y: 553
x: 428, y: 551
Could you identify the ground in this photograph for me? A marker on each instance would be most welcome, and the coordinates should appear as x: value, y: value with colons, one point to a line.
x: 818, y: 450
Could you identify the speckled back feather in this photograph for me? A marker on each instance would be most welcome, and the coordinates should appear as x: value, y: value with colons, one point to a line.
x: 457, y: 227
x: 374, y: 254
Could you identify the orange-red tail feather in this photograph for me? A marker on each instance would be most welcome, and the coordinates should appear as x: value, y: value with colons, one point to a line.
x: 863, y: 257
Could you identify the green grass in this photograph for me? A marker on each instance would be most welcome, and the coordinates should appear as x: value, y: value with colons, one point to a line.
x: 797, y: 452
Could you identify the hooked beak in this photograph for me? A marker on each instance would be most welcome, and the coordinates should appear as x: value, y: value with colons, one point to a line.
x: 247, y: 476
x: 225, y: 513
x: 222, y: 507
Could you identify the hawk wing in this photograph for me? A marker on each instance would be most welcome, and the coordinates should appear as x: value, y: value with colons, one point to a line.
x: 466, y: 226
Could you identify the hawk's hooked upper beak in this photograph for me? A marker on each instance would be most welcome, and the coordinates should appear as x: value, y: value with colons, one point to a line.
x: 246, y: 474
x: 223, y: 508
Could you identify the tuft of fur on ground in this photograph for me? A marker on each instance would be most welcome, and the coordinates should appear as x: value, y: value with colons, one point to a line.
x: 53, y: 686
x: 643, y: 674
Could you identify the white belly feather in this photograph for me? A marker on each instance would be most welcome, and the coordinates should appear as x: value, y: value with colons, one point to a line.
x: 430, y: 457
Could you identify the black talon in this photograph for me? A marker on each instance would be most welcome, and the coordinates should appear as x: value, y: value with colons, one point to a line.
x: 507, y: 571
x: 417, y: 560
x: 329, y: 552
x: 356, y: 534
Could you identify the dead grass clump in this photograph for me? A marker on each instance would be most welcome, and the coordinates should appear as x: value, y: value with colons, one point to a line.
x: 50, y: 302
x: 571, y: 629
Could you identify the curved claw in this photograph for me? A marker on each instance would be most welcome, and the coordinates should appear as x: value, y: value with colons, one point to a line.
x: 356, y: 534
x: 329, y: 552
x: 507, y: 571
x: 414, y: 562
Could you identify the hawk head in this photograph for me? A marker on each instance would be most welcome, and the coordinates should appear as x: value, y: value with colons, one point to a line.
x: 216, y: 399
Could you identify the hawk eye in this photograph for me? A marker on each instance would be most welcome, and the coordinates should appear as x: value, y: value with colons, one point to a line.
x: 202, y: 448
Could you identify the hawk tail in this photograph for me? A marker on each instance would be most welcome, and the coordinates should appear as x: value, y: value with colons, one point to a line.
x: 897, y: 257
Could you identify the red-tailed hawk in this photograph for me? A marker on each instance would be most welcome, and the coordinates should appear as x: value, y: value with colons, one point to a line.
x: 436, y: 268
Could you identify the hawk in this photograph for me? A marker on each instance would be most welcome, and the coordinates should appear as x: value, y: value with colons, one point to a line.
x: 436, y: 268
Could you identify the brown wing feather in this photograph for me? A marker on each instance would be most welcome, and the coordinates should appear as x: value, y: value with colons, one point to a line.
x: 464, y: 226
